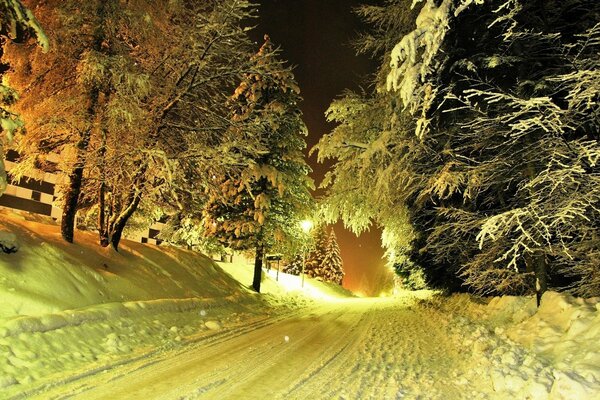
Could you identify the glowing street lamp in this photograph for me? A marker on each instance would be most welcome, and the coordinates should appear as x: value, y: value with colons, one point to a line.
x: 306, y: 226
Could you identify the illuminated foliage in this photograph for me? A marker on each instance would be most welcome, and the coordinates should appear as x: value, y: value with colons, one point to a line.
x: 133, y: 98
x: 16, y: 23
x: 263, y: 204
x: 477, y: 151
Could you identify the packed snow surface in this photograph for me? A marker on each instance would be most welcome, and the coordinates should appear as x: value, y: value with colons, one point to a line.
x: 164, y: 323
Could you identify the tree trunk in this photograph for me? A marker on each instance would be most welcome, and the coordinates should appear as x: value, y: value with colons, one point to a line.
x: 536, y: 264
x: 541, y: 276
x: 102, y: 223
x: 123, y: 218
x: 258, y: 263
x: 119, y: 222
x: 67, y: 226
x: 102, y: 217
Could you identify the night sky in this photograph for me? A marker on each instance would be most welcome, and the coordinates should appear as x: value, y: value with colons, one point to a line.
x: 315, y: 38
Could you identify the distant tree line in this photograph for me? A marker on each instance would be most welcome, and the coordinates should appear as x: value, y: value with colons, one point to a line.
x: 322, y: 261
x: 477, y: 149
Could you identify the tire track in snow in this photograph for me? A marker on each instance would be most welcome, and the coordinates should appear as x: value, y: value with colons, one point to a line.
x: 279, y: 365
x: 358, y: 349
x: 80, y: 382
x: 389, y: 356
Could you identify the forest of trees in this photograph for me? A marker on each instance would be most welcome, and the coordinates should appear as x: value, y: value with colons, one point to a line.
x: 322, y: 261
x: 139, y: 101
x: 476, y: 150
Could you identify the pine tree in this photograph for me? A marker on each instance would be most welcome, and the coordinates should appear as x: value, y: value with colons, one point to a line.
x: 331, y: 265
x: 501, y: 110
x: 314, y: 258
x: 294, y: 266
x: 263, y: 203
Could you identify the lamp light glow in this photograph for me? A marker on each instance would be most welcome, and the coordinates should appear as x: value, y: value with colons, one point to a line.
x: 306, y: 225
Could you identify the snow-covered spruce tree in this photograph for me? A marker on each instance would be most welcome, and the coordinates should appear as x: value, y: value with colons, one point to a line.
x: 264, y: 202
x: 294, y: 266
x: 436, y: 149
x: 16, y: 24
x: 379, y: 161
x: 506, y: 91
x: 331, y: 265
x: 314, y: 255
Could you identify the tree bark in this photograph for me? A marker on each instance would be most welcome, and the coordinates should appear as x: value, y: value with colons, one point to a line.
x: 541, y: 276
x: 258, y: 263
x: 103, y: 225
x: 131, y: 205
x: 102, y: 218
x: 123, y: 218
x: 67, y: 226
x: 536, y: 264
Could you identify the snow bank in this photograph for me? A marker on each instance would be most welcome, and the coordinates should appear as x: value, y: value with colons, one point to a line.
x: 566, y: 331
x: 558, y: 343
x: 48, y: 275
x: 286, y: 290
x: 104, y: 312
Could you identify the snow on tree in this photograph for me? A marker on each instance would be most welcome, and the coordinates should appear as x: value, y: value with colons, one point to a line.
x: 490, y: 156
x: 511, y: 191
x: 416, y: 56
x: 314, y: 258
x: 331, y: 265
x: 262, y: 204
x: 294, y: 266
x: 189, y: 139
x: 323, y: 260
x: 92, y: 92
x: 16, y: 21
x: 137, y: 110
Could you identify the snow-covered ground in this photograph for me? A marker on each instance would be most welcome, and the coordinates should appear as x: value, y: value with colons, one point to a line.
x: 560, y: 342
x: 165, y: 323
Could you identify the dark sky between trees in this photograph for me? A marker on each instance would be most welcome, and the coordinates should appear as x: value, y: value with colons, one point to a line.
x: 314, y: 36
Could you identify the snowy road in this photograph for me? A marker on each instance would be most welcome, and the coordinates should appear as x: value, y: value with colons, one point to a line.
x: 353, y: 349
